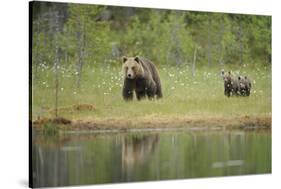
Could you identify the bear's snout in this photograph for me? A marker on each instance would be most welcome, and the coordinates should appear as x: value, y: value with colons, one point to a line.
x: 130, y: 75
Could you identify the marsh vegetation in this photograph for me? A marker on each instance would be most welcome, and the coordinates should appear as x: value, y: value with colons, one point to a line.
x: 77, y: 50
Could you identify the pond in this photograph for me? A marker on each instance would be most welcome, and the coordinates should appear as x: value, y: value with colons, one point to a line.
x: 95, y: 158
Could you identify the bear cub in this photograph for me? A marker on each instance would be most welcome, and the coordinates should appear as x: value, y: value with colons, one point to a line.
x: 244, y: 85
x: 140, y: 76
x: 231, y: 85
x: 236, y: 86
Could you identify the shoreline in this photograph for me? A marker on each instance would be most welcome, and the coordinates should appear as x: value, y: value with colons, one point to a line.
x: 119, y: 124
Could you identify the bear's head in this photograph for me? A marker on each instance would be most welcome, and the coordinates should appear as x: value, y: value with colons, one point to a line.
x: 132, y: 67
x: 242, y: 82
x: 227, y: 79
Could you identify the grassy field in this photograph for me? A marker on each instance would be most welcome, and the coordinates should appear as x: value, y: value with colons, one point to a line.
x: 99, y: 96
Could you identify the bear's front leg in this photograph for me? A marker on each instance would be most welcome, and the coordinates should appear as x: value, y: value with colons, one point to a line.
x: 140, y: 94
x: 151, y: 93
x: 151, y: 90
x: 248, y: 92
x: 127, y: 94
x: 140, y: 88
x: 227, y: 93
x: 128, y: 89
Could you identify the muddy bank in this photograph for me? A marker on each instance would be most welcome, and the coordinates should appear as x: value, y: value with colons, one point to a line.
x: 156, y: 122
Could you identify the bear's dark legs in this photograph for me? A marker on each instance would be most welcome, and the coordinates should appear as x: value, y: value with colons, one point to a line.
x: 248, y: 92
x: 159, y: 92
x: 235, y: 92
x: 127, y: 95
x: 140, y: 88
x: 243, y: 92
x: 150, y: 96
x: 140, y: 95
x: 227, y: 93
x: 151, y: 92
x: 128, y: 89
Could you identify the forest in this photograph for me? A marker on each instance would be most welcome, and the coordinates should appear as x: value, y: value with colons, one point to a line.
x: 89, y: 34
x: 77, y: 48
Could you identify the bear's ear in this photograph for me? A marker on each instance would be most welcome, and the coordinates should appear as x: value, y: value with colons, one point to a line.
x: 245, y: 77
x: 229, y: 72
x: 137, y: 59
x: 124, y: 59
x: 239, y: 77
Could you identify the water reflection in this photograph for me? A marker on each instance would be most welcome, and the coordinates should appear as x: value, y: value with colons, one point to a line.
x: 228, y: 163
x: 136, y: 150
x: 77, y: 159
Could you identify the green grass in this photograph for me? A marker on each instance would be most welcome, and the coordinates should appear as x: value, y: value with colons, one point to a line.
x: 50, y: 130
x: 183, y: 95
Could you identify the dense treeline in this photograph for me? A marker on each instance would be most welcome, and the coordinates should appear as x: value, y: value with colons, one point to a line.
x: 78, y: 35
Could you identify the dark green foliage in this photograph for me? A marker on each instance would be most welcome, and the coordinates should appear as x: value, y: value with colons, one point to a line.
x: 90, y: 34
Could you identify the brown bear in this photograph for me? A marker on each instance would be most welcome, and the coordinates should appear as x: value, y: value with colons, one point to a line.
x: 141, y: 76
x: 231, y: 86
x: 244, y: 86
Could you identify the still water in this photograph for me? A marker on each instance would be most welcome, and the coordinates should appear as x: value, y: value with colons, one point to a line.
x: 78, y: 159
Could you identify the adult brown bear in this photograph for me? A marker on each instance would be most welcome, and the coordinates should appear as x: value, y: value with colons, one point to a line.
x: 141, y: 76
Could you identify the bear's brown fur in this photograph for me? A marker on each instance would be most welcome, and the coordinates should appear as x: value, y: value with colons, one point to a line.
x: 236, y: 86
x: 231, y: 86
x: 141, y: 76
x: 244, y: 85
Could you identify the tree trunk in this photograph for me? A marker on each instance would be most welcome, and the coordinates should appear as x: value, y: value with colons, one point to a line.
x: 176, y: 50
x: 221, y: 47
x: 37, y: 59
x: 209, y: 42
x: 241, y: 45
x: 176, y: 40
x: 80, y: 38
x: 65, y: 57
x: 194, y: 62
x: 56, y: 63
